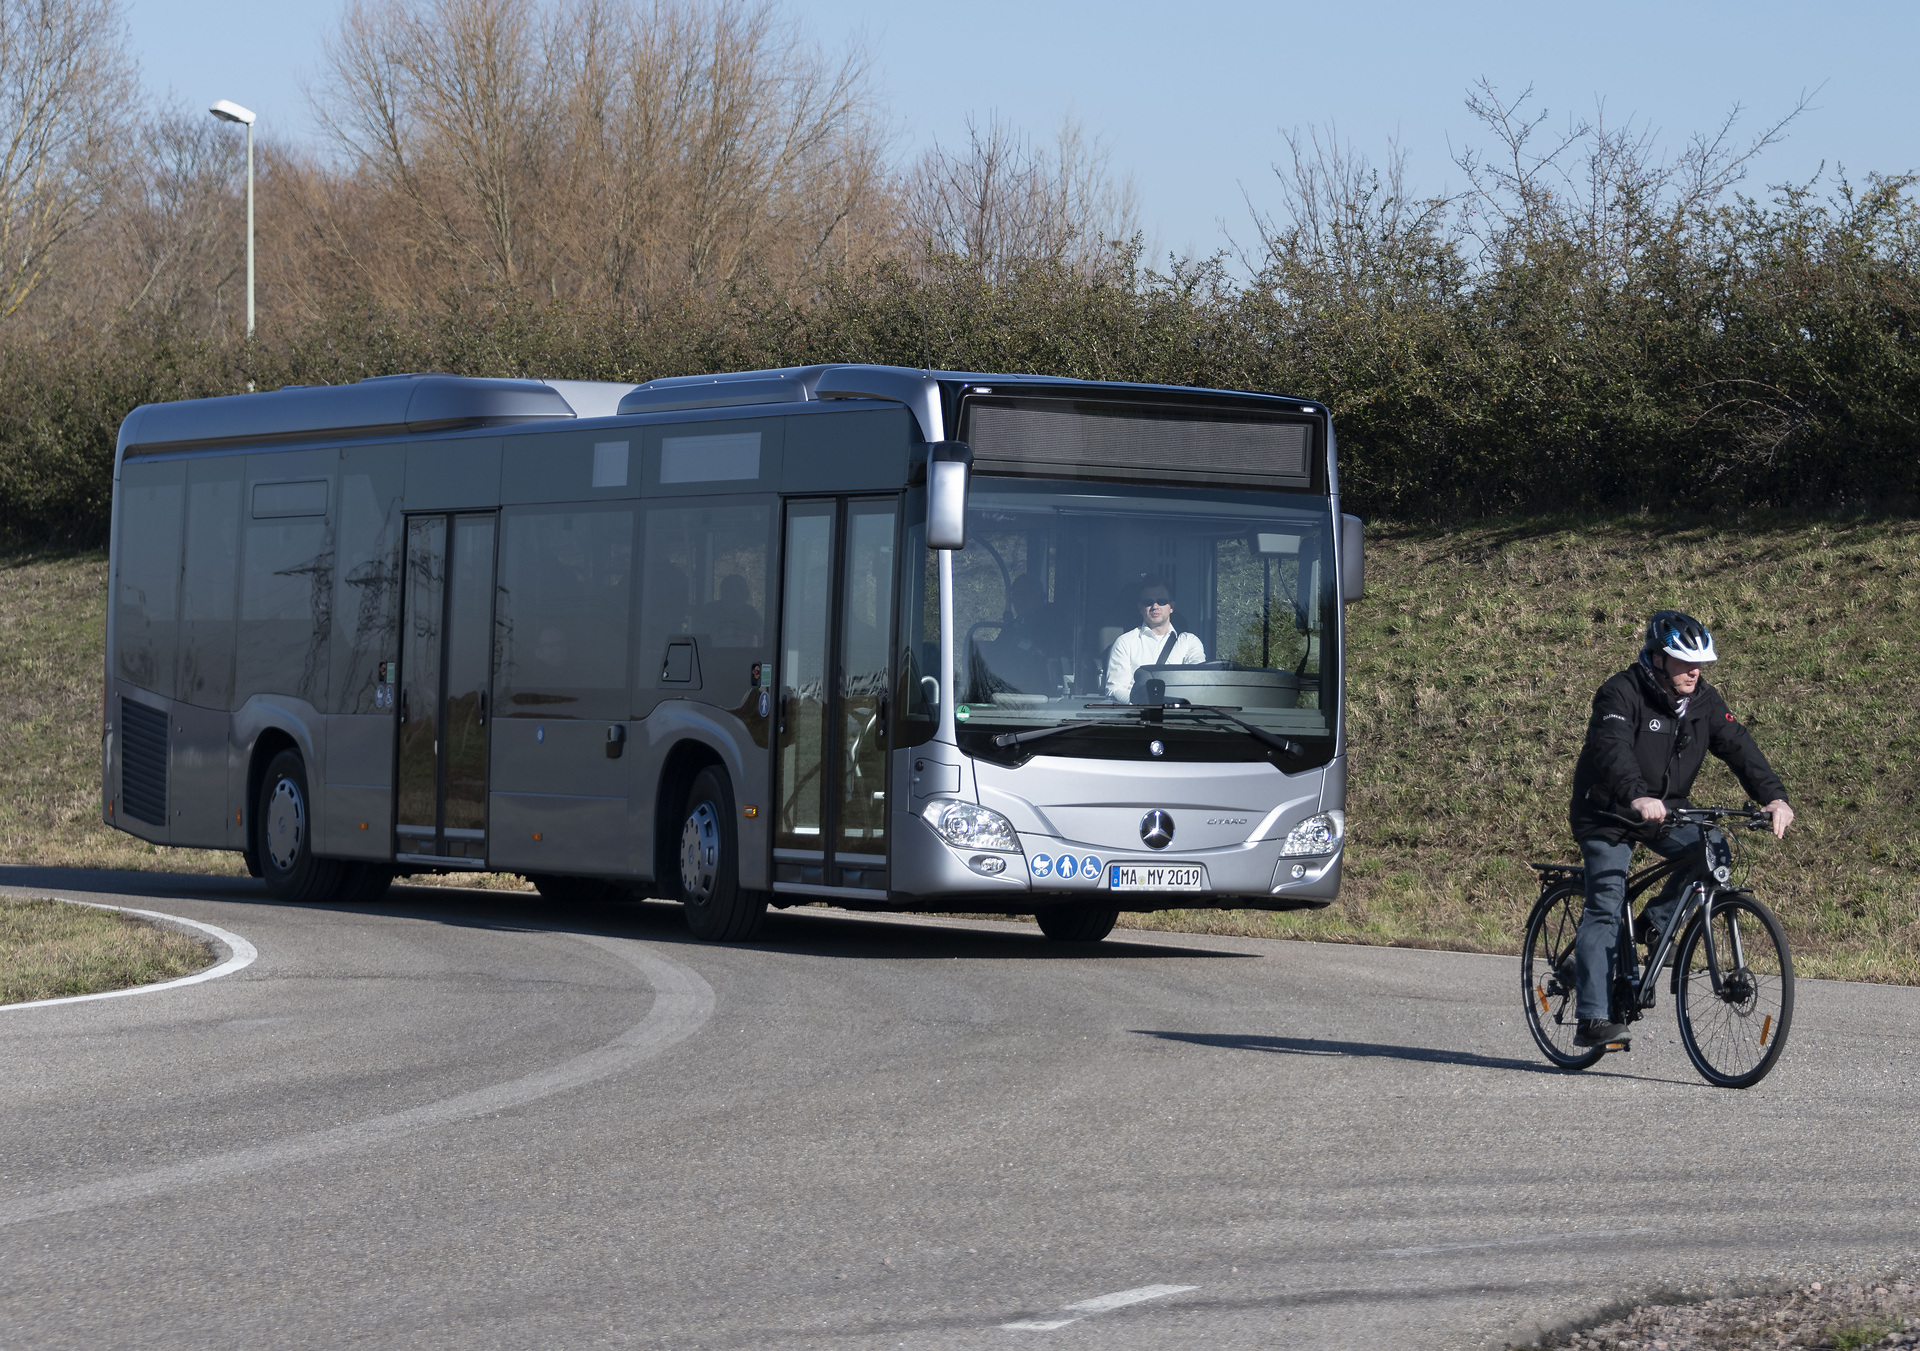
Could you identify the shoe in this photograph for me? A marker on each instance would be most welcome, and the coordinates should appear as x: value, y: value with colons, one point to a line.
x: 1599, y: 1032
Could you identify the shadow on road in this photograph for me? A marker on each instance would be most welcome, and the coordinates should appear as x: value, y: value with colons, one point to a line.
x: 801, y: 931
x: 1363, y: 1050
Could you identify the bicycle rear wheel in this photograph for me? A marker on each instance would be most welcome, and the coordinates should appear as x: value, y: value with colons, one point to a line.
x: 1734, y: 1035
x: 1546, y: 978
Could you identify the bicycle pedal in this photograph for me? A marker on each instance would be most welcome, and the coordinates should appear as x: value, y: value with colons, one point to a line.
x: 1623, y: 1045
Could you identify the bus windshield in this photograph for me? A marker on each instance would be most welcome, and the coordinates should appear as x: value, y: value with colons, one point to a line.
x: 1082, y: 603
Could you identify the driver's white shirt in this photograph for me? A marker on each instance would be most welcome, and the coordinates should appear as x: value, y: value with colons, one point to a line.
x: 1141, y: 647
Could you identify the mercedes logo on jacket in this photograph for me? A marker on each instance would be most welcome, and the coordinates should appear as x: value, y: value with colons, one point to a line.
x: 1156, y: 829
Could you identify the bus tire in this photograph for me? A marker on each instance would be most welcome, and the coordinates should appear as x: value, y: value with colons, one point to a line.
x: 708, y: 887
x: 1075, y: 923
x: 292, y: 871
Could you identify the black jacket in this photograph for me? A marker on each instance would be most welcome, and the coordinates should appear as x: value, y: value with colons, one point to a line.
x: 1637, y: 747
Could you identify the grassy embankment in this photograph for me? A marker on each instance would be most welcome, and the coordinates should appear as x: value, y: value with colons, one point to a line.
x: 1473, y: 661
x: 50, y: 949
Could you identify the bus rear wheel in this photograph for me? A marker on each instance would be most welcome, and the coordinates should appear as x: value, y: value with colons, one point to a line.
x: 1076, y: 923
x: 293, y: 872
x: 717, y: 909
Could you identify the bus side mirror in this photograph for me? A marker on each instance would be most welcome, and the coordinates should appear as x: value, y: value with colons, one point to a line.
x: 948, y: 463
x: 1353, y: 571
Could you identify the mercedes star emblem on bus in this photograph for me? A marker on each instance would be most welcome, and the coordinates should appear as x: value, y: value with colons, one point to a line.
x: 1156, y: 829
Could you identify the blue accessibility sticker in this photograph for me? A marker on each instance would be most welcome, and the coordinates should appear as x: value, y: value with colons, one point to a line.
x: 1090, y: 868
x: 1068, y: 865
x: 1042, y: 865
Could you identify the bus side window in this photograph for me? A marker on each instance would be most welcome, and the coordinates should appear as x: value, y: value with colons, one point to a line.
x: 286, y: 580
x: 147, y: 573
x: 704, y: 621
x: 366, y: 607
x: 210, y: 581
x: 561, y: 613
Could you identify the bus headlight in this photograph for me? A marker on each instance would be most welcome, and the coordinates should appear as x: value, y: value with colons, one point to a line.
x: 1315, y: 835
x: 966, y: 826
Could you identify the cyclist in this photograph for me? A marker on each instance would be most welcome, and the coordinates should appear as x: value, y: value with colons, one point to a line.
x: 1651, y: 728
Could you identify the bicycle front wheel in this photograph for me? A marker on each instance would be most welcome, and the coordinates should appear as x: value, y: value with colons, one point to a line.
x: 1734, y: 1034
x: 1546, y: 978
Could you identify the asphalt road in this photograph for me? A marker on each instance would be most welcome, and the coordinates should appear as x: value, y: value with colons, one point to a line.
x: 471, y: 1119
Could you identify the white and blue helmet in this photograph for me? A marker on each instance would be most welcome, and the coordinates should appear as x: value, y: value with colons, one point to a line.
x: 1681, y: 637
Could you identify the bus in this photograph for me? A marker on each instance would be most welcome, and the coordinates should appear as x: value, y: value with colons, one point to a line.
x: 883, y: 638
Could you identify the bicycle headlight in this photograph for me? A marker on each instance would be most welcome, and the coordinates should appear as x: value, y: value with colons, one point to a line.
x: 1316, y: 835
x: 966, y: 826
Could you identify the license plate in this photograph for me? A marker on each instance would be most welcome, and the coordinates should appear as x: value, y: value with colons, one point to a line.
x: 1156, y: 877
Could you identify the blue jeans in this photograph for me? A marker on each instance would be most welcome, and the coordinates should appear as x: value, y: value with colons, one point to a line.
x: 1596, y: 946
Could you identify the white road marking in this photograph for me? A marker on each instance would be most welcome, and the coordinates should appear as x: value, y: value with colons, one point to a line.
x: 1518, y: 1242
x: 682, y: 1001
x: 1086, y: 1308
x: 242, y: 956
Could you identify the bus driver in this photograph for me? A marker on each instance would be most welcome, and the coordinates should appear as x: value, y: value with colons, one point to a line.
x: 1155, y: 643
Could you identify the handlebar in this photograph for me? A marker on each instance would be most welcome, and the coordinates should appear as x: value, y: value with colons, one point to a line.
x: 1749, y: 816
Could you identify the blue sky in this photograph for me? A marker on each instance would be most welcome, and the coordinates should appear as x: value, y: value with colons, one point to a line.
x: 1191, y: 99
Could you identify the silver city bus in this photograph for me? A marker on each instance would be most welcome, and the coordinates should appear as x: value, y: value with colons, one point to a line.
x: 860, y: 634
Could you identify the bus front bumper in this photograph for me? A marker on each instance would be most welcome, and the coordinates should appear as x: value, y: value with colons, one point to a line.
x: 1248, y: 877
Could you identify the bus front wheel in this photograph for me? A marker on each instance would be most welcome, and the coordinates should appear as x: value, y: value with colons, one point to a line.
x: 1075, y: 923
x: 293, y: 872
x: 718, y: 910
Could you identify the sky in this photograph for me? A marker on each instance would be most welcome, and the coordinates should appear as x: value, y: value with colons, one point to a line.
x: 1193, y: 99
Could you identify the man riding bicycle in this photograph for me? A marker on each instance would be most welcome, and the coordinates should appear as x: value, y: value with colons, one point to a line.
x: 1651, y: 728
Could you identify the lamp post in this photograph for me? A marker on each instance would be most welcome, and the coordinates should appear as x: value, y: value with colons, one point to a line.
x: 228, y: 111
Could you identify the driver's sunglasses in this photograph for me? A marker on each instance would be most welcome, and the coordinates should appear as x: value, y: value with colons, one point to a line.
x: 1148, y: 601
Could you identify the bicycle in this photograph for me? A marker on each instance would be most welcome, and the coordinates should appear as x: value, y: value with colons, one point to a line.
x: 1732, y: 975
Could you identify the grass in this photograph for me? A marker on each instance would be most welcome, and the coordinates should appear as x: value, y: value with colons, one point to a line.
x: 1861, y: 1334
x: 1472, y: 665
x: 51, y: 949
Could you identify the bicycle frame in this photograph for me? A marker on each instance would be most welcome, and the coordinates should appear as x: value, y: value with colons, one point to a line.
x: 1721, y: 974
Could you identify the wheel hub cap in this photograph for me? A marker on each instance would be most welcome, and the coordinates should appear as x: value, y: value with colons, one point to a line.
x: 699, y: 853
x: 286, y: 825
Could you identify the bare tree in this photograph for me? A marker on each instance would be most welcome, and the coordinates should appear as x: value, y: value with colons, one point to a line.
x: 1003, y: 201
x: 1604, y: 188
x: 66, y: 90
x: 170, y: 241
x: 1351, y: 232
x: 601, y: 149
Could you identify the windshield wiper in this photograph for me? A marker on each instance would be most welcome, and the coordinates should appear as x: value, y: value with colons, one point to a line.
x: 1260, y: 734
x: 1153, y: 714
x: 1015, y: 738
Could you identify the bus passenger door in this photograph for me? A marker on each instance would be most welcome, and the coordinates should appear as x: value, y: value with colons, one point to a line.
x: 446, y: 659
x: 835, y: 674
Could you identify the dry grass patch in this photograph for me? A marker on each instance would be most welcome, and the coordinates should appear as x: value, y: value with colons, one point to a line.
x: 51, y: 949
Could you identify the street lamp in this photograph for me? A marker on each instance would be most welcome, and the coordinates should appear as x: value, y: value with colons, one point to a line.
x: 229, y: 111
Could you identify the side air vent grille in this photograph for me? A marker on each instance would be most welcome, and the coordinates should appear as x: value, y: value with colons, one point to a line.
x: 1082, y: 440
x: 143, y: 763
